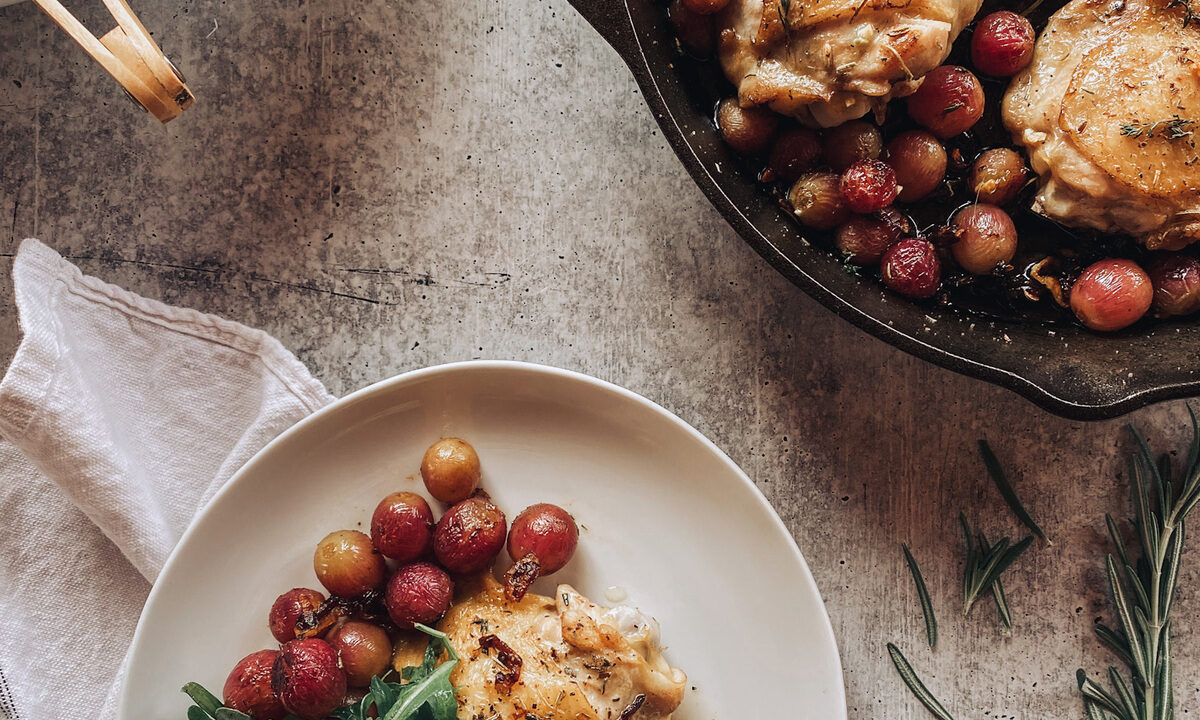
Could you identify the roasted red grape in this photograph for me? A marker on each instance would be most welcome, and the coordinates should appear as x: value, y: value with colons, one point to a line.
x: 697, y: 33
x: 911, y: 267
x: 248, y: 687
x: 547, y: 531
x: 987, y: 238
x: 868, y: 186
x: 863, y: 239
x: 1002, y: 44
x: 919, y: 161
x: 450, y: 470
x: 402, y: 526
x: 418, y: 593
x: 1111, y: 294
x: 949, y: 101
x: 852, y: 142
x: 817, y: 201
x: 794, y: 153
x: 1176, y: 280
x: 347, y: 564
x: 290, y: 607
x: 469, y: 536
x: 308, y: 678
x: 749, y: 130
x: 365, y: 651
x: 997, y: 176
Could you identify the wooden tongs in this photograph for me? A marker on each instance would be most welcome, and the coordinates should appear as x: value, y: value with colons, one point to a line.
x: 131, y: 56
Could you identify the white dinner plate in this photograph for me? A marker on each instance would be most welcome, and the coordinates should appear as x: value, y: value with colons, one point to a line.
x: 665, y: 516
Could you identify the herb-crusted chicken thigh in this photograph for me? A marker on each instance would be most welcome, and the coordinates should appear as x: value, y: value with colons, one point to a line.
x: 1108, y: 111
x: 829, y: 61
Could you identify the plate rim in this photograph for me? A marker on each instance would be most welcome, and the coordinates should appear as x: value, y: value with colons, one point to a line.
x: 411, y: 376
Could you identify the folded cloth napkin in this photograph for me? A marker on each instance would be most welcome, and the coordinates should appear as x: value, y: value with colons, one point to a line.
x: 120, y: 417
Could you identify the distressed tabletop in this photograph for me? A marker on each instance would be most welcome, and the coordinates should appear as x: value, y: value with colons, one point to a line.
x: 390, y: 185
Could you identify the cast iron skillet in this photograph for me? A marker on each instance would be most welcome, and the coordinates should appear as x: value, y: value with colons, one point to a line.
x: 1063, y: 368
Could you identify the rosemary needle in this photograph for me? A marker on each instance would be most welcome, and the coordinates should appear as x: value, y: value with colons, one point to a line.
x: 1006, y: 490
x: 909, y: 676
x: 923, y: 595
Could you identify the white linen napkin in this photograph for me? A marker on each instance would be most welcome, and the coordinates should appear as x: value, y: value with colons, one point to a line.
x: 119, y: 418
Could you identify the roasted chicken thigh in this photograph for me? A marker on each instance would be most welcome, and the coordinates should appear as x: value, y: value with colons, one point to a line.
x: 1108, y: 111
x: 829, y: 61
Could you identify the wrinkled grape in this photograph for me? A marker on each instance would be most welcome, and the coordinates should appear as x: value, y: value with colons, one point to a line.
x: 911, y: 267
x: 402, y: 526
x: 547, y: 531
x: 418, y: 593
x: 1002, y: 44
x: 365, y: 651
x: 248, y: 687
x: 997, y: 176
x: 1176, y: 280
x: 863, y: 239
x: 868, y: 186
x: 450, y: 470
x: 919, y: 161
x: 748, y: 130
x: 469, y: 536
x: 290, y: 607
x: 816, y: 201
x: 308, y: 678
x: 852, y: 142
x: 794, y: 153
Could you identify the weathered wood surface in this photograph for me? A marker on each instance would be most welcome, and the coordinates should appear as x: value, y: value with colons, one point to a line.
x: 389, y: 185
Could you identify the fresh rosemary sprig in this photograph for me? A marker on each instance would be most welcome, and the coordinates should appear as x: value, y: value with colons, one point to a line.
x: 1143, y: 594
x: 1006, y: 490
x: 1174, y: 128
x: 923, y: 596
x: 909, y: 676
x: 985, y: 564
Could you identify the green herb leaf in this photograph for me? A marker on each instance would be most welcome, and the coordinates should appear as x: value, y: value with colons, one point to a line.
x: 909, y: 676
x: 1006, y: 490
x: 195, y: 713
x: 230, y: 714
x: 203, y: 698
x: 1002, y: 603
x: 923, y: 596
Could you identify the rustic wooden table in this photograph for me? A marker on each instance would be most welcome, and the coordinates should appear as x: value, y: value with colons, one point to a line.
x: 386, y: 186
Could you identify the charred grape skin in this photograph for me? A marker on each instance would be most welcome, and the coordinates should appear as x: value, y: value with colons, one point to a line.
x: 919, y: 161
x: 365, y: 651
x: 706, y: 7
x: 997, y: 175
x: 451, y: 470
x: 862, y: 240
x: 308, y: 678
x: 1111, y: 294
x: 987, y: 238
x: 911, y: 267
x: 949, y: 102
x: 1176, y: 281
x: 748, y: 130
x: 347, y: 564
x: 418, y: 593
x: 795, y: 152
x: 868, y: 186
x: 816, y: 201
x: 248, y: 687
x: 402, y: 526
x: 469, y: 536
x: 547, y: 531
x: 1002, y: 44
x: 290, y: 607
x: 852, y: 142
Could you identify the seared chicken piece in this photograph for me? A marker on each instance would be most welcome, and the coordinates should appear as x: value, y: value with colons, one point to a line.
x: 829, y: 61
x: 1108, y: 110
x: 561, y: 658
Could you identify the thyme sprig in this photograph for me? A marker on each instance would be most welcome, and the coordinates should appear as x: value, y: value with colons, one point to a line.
x: 984, y: 566
x: 1174, y: 128
x: 1143, y: 590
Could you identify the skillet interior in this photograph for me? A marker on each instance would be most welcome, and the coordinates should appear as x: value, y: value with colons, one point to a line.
x: 1063, y: 368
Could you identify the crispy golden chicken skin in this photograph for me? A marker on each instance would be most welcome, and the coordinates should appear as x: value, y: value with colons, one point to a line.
x: 1108, y: 111
x: 561, y: 658
x: 829, y: 61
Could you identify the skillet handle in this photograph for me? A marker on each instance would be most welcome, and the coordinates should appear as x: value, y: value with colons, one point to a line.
x: 611, y: 19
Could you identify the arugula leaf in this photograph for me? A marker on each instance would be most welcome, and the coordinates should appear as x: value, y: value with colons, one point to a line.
x: 207, y: 702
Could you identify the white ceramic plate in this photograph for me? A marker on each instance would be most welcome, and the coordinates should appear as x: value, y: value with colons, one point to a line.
x: 667, y: 517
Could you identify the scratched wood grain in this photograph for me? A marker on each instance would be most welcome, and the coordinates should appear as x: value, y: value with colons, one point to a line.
x: 389, y: 185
